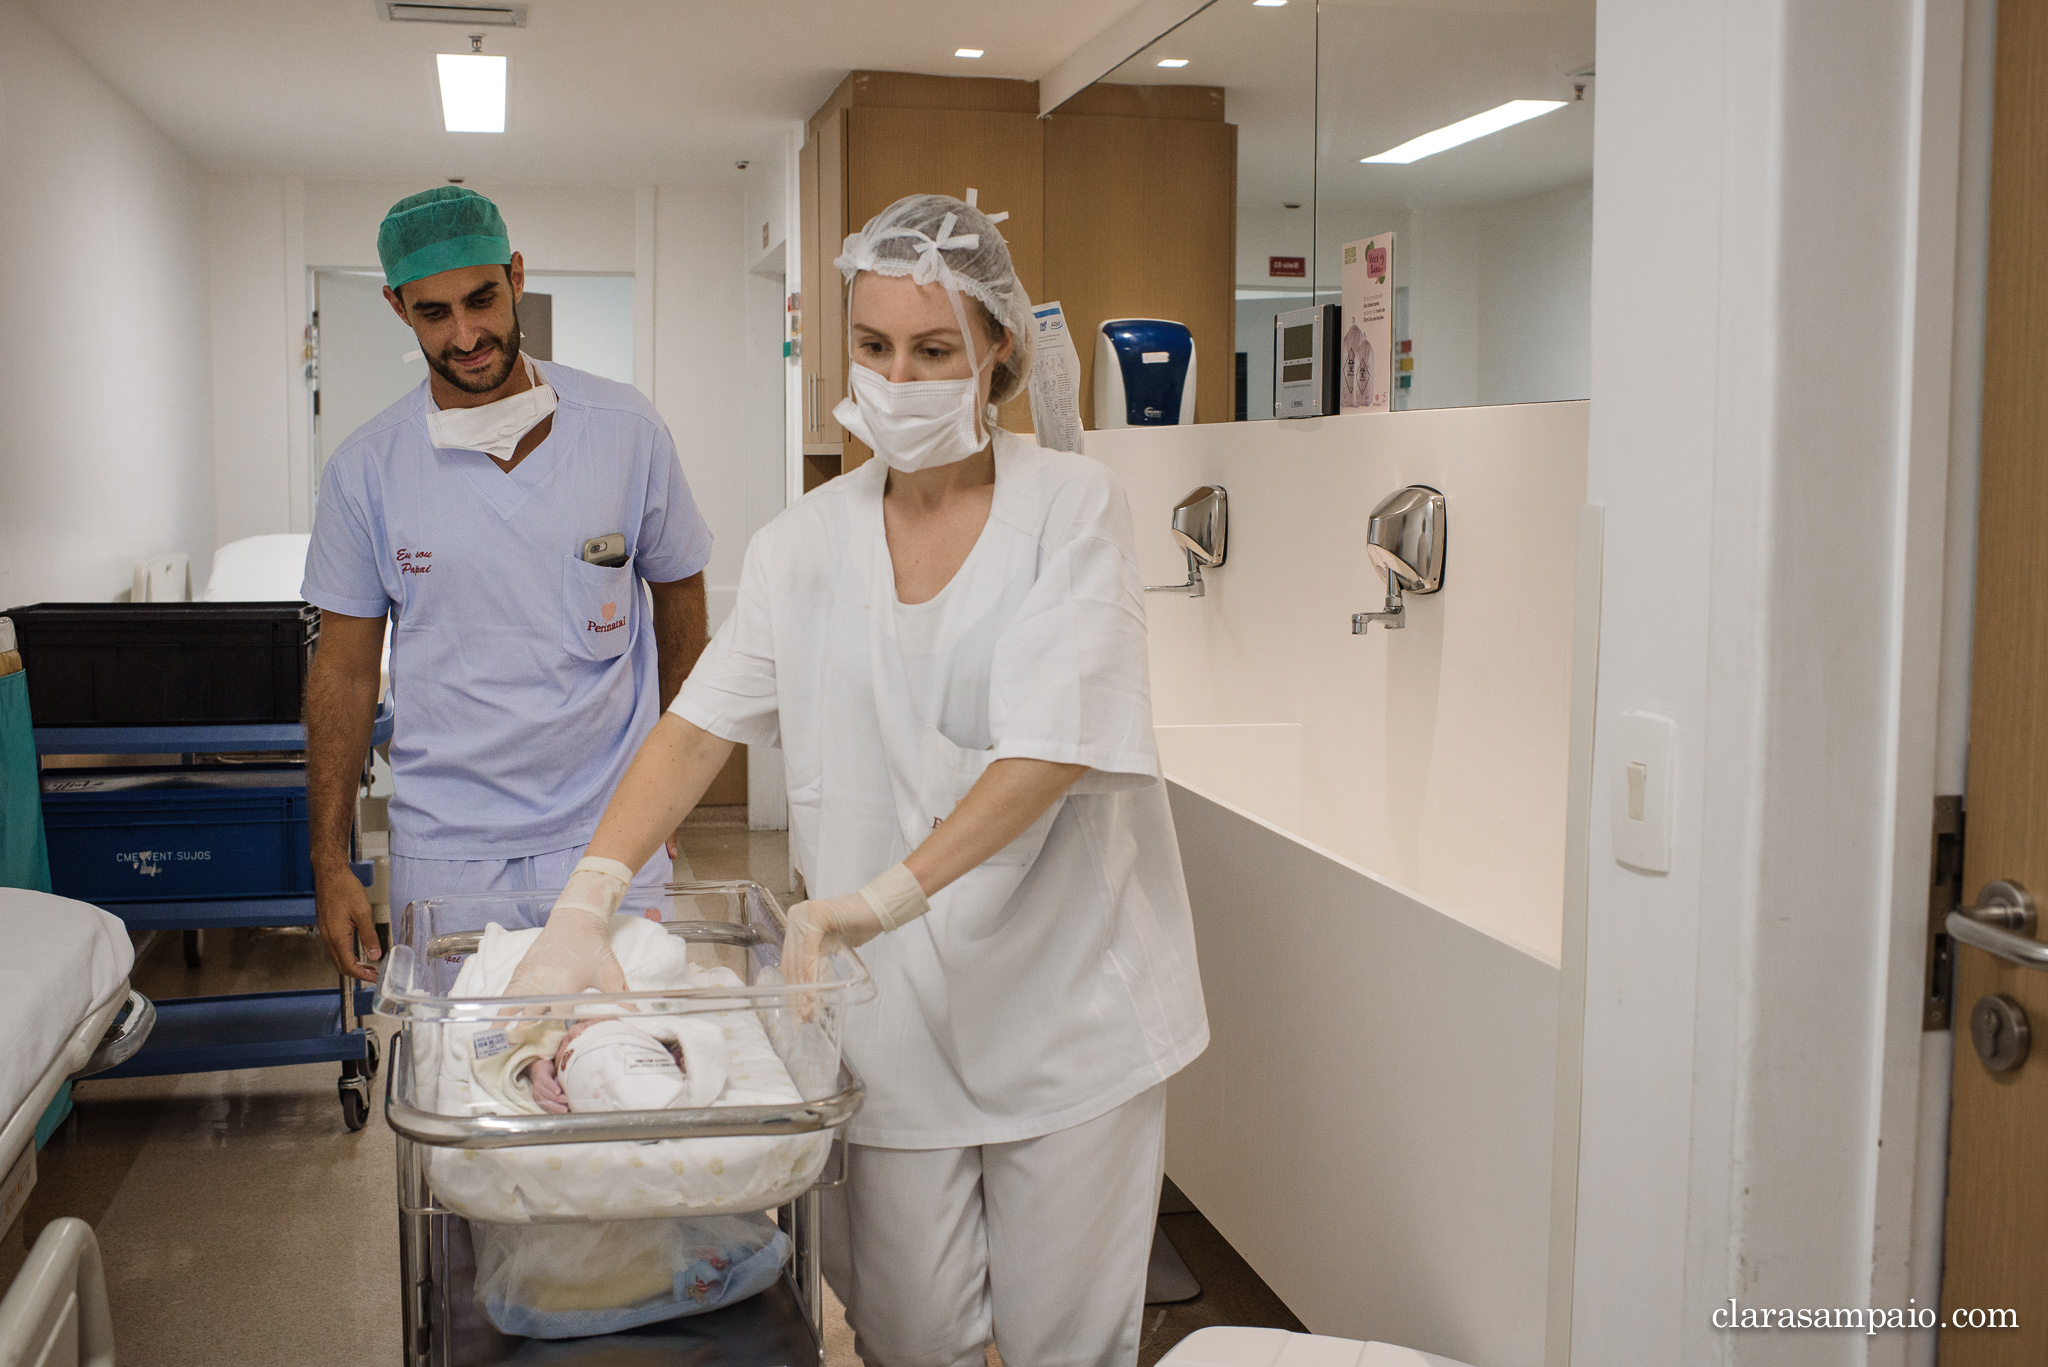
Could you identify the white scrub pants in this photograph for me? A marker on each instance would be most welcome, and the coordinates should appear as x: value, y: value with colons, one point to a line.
x: 415, y: 878
x: 1040, y: 1246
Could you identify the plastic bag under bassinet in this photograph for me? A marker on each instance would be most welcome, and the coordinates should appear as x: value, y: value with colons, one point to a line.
x: 558, y: 1281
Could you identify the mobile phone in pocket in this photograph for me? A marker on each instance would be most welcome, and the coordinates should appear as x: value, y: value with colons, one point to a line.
x: 607, y: 551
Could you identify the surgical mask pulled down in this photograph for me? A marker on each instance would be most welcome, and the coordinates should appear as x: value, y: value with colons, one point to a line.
x: 496, y: 429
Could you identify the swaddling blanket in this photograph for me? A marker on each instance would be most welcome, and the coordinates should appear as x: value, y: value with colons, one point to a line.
x: 619, y: 1180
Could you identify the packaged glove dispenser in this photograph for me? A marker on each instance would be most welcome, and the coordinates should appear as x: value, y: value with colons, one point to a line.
x: 1144, y: 373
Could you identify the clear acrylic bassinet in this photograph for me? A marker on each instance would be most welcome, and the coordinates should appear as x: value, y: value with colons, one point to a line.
x: 617, y: 1165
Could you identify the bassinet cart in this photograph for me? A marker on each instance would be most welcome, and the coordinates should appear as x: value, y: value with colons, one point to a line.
x: 456, y: 1165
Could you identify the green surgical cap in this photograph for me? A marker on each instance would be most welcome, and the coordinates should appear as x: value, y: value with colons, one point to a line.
x: 437, y: 230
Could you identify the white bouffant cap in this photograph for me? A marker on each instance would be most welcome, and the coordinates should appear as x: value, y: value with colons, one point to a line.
x: 937, y: 239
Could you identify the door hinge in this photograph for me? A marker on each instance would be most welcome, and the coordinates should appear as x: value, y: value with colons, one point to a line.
x: 1944, y: 895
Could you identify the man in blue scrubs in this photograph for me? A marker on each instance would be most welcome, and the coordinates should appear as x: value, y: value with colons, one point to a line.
x: 504, y: 516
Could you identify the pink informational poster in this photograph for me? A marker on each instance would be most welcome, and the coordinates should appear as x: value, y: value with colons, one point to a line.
x: 1365, y: 351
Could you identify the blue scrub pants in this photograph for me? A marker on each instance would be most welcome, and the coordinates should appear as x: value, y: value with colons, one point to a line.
x: 412, y: 879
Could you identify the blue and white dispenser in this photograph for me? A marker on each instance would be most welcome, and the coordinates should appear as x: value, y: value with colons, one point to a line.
x: 1144, y: 373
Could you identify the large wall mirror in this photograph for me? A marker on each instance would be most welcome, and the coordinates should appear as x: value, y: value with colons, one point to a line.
x: 1457, y: 138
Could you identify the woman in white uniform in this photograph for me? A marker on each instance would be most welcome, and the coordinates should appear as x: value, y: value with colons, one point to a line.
x: 948, y: 644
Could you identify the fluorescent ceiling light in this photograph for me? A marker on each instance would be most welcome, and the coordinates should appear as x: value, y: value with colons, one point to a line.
x: 1173, y: 61
x: 1464, y: 131
x: 1269, y: 4
x: 472, y: 92
x: 967, y: 52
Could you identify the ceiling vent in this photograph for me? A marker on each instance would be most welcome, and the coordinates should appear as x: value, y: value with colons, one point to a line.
x: 409, y: 12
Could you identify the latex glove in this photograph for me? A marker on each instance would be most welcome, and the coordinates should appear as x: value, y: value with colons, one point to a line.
x: 573, y: 952
x: 824, y: 926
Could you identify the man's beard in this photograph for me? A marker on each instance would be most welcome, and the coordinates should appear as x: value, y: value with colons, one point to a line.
x: 486, y: 381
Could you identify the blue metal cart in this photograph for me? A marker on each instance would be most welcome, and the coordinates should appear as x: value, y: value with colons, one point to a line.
x: 249, y: 1030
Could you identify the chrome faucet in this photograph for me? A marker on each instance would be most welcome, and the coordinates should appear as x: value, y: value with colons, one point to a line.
x: 1404, y: 538
x: 1201, y: 527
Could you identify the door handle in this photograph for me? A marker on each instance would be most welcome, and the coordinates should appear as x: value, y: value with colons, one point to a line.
x: 2002, y: 923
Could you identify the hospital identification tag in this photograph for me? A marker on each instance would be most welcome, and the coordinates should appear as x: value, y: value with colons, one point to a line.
x: 491, y: 1043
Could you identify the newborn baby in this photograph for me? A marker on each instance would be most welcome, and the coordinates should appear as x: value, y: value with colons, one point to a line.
x: 611, y: 1063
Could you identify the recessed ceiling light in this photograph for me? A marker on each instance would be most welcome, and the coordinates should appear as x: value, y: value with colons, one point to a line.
x: 1173, y: 61
x: 1269, y: 4
x: 472, y: 92
x: 967, y: 52
x: 1464, y: 131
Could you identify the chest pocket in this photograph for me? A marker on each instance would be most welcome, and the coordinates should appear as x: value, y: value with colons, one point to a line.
x: 597, y: 609
x: 945, y: 772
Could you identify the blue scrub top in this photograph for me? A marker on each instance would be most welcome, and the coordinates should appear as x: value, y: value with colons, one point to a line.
x: 523, y: 678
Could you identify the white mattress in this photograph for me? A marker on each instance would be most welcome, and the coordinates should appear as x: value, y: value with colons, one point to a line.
x: 62, y: 959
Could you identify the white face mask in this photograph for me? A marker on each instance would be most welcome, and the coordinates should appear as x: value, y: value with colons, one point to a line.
x: 494, y: 428
x: 917, y: 424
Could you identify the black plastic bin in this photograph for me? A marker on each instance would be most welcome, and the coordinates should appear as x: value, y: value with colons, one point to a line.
x: 165, y: 664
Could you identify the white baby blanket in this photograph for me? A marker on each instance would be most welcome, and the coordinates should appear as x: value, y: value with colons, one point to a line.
x: 620, y: 1180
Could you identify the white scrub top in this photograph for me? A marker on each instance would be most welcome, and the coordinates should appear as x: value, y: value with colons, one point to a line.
x: 1057, y: 980
x: 523, y: 679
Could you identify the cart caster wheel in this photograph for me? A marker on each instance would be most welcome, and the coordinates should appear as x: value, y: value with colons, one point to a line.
x: 195, y: 947
x: 355, y: 1107
x: 376, y: 1058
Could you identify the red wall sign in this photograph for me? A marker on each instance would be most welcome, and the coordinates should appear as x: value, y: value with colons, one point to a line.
x: 1287, y: 267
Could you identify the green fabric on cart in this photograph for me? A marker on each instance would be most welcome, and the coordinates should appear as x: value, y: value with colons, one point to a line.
x: 24, y: 861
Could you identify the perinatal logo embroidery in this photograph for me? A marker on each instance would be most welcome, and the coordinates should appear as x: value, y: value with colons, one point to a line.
x: 608, y: 611
x: 414, y: 562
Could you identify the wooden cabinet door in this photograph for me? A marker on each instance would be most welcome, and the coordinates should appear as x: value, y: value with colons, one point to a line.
x: 1141, y: 222
x: 1997, y: 1231
x: 813, y: 288
x: 831, y: 312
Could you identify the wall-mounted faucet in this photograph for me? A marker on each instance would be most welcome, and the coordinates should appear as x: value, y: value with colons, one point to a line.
x: 1405, y: 538
x: 1201, y: 526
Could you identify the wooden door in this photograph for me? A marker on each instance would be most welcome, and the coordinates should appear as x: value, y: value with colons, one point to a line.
x: 1997, y: 1234
x: 891, y: 153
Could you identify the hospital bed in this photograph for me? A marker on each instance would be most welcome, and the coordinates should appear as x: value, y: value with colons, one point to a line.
x: 739, y: 926
x: 66, y: 1011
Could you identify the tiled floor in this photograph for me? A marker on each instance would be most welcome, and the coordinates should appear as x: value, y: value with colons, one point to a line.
x: 240, y: 1222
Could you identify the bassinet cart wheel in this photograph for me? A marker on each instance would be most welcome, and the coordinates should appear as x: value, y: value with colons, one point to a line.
x: 195, y: 947
x: 355, y: 1106
x: 375, y: 1060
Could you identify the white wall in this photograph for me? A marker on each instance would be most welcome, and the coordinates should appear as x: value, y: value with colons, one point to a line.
x: 1435, y: 756
x: 1771, y: 321
x: 1499, y: 295
x: 1536, y: 297
x: 103, y: 358
x: 553, y: 227
x: 593, y: 321
x: 699, y: 318
x: 1370, y: 1126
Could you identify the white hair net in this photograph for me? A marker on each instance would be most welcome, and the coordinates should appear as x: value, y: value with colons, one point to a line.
x: 937, y: 239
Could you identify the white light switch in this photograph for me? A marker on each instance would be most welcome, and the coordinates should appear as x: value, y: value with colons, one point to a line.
x: 1641, y: 764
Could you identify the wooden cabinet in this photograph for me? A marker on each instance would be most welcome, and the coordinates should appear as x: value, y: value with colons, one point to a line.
x: 1128, y: 204
x: 1141, y: 222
